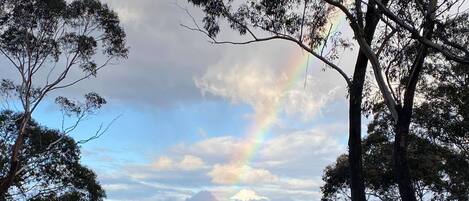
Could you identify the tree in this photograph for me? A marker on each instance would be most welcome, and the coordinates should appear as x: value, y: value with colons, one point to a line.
x: 438, y: 143
x: 406, y: 62
x: 46, y: 41
x: 443, y: 115
x: 51, y: 163
x: 305, y: 23
x: 439, y: 171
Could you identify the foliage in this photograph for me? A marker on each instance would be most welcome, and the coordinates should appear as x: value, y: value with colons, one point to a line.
x: 438, y: 173
x: 443, y: 114
x: 45, y: 39
x: 51, y: 164
x: 51, y: 45
x: 438, y: 145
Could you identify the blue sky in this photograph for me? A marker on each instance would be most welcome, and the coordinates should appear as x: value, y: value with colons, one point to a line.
x: 184, y: 108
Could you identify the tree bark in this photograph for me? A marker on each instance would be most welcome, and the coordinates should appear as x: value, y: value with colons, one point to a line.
x: 357, y: 184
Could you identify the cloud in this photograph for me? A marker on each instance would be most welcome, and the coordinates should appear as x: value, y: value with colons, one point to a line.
x: 242, y: 174
x: 164, y: 163
x: 284, y: 152
x: 116, y: 187
x: 266, y: 89
x: 279, y: 169
x: 310, y: 142
x: 215, y: 149
x: 249, y: 84
x: 287, y: 166
x: 161, y: 62
x: 203, y: 196
x: 188, y: 163
x: 293, y: 183
x: 248, y: 195
x: 165, y: 57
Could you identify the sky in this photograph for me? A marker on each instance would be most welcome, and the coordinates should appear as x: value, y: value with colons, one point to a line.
x: 197, y: 121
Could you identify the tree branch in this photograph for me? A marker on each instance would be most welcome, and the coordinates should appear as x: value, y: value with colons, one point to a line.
x: 358, y: 32
x: 416, y: 34
x: 276, y: 36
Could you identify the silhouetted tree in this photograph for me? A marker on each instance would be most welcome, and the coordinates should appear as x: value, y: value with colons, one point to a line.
x: 46, y: 41
x: 438, y: 171
x: 51, y: 168
x: 438, y: 144
x: 406, y: 64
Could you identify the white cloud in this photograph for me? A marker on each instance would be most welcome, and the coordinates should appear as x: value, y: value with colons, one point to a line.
x: 287, y: 166
x: 299, y: 145
x: 266, y: 89
x: 188, y: 163
x: 238, y: 173
x: 215, y: 149
x: 249, y: 84
x: 293, y: 183
x: 248, y: 195
x: 163, y: 163
x: 291, y: 160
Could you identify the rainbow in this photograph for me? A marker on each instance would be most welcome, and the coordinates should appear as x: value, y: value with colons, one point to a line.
x: 257, y: 132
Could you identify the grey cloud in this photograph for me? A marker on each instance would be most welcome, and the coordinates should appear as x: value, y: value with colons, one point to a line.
x: 165, y: 57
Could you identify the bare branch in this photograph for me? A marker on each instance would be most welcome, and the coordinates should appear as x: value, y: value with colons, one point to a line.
x: 100, y: 131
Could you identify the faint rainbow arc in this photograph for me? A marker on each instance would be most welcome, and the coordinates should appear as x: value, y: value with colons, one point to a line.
x: 258, y: 131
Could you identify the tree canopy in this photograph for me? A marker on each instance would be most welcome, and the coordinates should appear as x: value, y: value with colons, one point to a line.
x: 438, y: 172
x: 51, y: 167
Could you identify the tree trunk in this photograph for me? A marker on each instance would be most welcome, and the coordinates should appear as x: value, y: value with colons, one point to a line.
x: 15, y: 162
x: 401, y: 171
x: 357, y: 184
x: 401, y: 166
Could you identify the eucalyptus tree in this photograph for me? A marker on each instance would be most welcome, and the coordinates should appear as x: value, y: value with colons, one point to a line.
x: 51, y: 45
x: 439, y: 172
x: 438, y: 144
x: 51, y: 164
x: 438, y: 140
x: 305, y: 23
x: 407, y: 61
